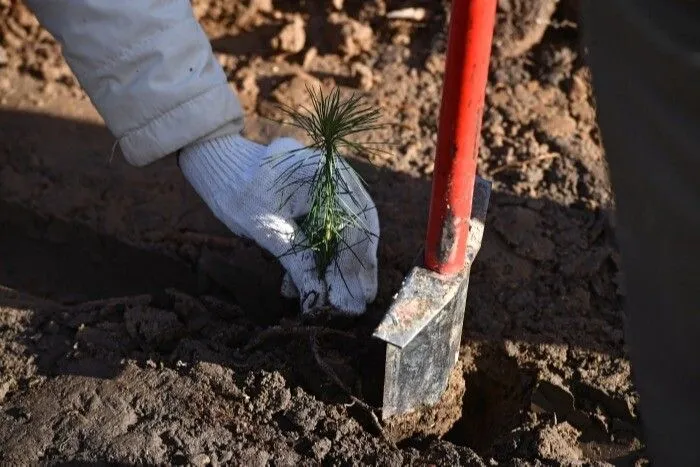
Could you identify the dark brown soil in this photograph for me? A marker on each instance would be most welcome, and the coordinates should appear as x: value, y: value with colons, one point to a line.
x: 135, y: 329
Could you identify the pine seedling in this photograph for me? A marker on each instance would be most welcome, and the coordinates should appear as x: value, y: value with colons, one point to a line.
x: 329, y: 125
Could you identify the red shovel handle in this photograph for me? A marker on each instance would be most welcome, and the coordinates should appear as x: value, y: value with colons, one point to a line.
x: 466, y: 72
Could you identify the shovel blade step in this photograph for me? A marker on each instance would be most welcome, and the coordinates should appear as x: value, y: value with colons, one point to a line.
x: 423, y: 327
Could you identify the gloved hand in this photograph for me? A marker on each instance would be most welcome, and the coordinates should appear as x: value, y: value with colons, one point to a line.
x: 239, y: 183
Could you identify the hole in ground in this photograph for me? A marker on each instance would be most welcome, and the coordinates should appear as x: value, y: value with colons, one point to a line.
x: 494, y: 402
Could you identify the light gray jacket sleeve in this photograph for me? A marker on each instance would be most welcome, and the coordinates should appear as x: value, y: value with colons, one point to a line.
x: 148, y: 68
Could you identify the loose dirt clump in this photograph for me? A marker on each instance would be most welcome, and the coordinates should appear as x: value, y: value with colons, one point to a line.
x: 432, y: 421
x: 521, y: 24
x: 291, y: 38
x: 135, y: 329
x: 348, y: 36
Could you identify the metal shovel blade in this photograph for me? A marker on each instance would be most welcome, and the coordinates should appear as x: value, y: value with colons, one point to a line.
x: 423, y: 327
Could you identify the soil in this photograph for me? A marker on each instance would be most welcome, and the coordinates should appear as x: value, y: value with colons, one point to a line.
x: 134, y: 328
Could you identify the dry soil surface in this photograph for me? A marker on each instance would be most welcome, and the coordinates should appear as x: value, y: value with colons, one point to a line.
x: 135, y: 329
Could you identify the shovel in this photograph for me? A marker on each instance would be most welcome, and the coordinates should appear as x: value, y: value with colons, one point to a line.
x: 422, y: 329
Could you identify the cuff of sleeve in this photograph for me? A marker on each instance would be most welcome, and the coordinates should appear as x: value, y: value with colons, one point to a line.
x: 214, y: 112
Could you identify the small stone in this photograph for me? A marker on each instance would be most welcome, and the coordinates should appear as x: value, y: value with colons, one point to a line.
x: 338, y: 4
x: 412, y: 14
x: 291, y: 38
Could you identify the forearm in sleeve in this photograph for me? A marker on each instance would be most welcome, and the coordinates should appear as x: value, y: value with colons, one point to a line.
x: 148, y: 68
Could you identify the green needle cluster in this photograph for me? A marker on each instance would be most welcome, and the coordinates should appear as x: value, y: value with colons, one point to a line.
x: 329, y: 125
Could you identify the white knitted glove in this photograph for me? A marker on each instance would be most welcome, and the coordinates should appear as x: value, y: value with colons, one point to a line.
x: 241, y: 186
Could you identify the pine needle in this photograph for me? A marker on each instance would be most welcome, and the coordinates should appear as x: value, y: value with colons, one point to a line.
x: 330, y: 124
